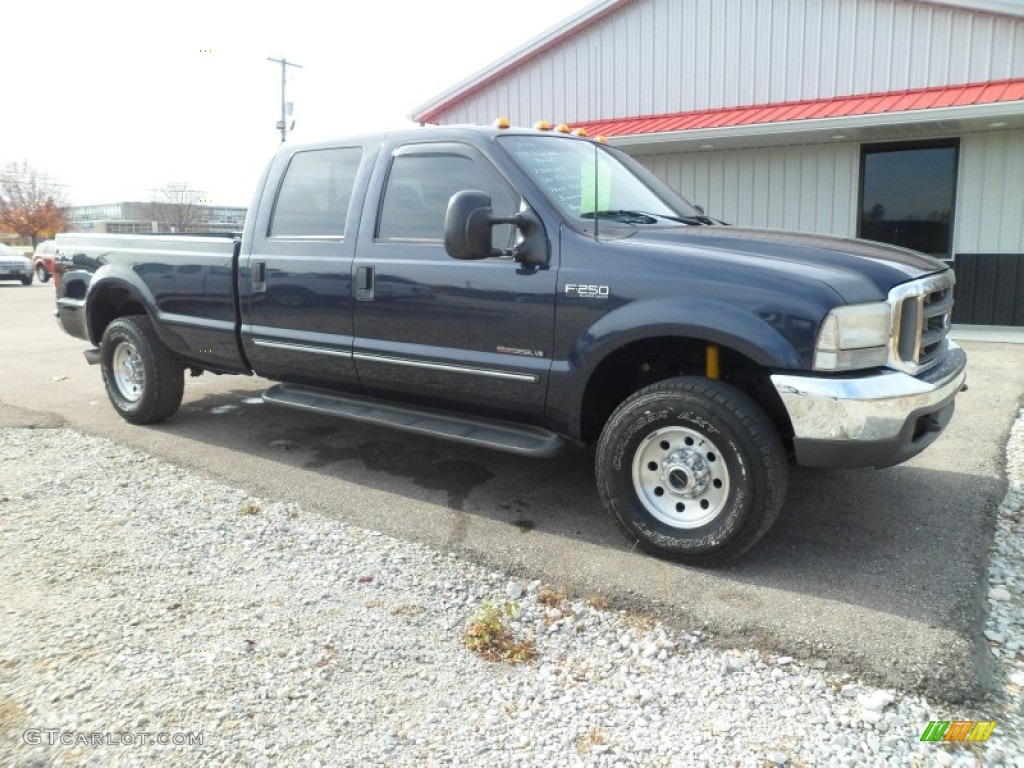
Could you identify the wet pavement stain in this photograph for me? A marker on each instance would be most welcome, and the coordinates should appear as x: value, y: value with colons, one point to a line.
x: 426, y: 468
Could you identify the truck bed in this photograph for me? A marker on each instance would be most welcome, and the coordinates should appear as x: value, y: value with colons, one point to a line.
x: 186, y: 282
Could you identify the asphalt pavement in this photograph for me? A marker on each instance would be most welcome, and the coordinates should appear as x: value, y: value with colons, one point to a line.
x: 879, y: 573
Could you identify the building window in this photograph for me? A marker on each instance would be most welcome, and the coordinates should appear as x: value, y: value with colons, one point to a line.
x: 908, y: 193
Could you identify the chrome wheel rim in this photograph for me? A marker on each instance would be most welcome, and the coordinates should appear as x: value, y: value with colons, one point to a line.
x: 680, y: 477
x: 126, y: 366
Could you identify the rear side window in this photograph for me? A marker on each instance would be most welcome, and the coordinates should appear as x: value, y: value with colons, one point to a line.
x: 314, y: 197
x: 420, y: 185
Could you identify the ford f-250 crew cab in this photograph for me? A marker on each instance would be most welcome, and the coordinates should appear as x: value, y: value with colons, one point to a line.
x: 526, y: 291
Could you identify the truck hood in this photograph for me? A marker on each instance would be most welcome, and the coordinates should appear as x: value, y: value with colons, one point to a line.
x: 858, y: 270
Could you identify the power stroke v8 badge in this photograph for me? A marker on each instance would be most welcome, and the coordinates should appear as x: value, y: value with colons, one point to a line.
x: 583, y: 291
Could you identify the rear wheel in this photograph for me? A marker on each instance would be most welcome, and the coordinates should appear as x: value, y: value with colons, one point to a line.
x: 41, y: 274
x: 692, y: 469
x: 144, y: 381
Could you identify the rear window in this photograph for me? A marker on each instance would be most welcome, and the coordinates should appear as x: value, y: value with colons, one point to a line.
x: 315, y: 194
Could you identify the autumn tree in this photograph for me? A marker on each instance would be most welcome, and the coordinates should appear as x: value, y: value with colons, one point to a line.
x: 31, y: 204
x: 176, y: 208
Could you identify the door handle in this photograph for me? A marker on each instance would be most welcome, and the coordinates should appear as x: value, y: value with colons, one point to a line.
x: 259, y: 276
x: 364, y: 283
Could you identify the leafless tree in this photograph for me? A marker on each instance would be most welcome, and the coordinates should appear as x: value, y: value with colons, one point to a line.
x: 176, y: 208
x: 31, y: 204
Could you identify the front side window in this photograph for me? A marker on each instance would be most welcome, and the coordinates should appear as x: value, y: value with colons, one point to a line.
x: 315, y: 194
x: 421, y: 183
x: 907, y: 195
x: 585, y: 179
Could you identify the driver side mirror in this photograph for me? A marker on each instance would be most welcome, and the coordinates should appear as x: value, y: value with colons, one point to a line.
x: 467, y: 230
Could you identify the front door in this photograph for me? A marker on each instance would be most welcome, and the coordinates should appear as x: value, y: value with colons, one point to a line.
x: 469, y: 335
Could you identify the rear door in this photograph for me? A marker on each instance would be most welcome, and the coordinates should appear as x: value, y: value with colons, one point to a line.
x: 468, y: 335
x: 295, y: 283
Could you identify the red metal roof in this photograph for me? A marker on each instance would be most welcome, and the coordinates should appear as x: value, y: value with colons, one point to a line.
x: 843, y: 106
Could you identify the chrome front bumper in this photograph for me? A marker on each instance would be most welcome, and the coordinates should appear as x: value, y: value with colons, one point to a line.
x: 877, y: 420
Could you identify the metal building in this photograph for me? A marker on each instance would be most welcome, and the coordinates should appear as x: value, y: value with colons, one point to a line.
x: 895, y: 120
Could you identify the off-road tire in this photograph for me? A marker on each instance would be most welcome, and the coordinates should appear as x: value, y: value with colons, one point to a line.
x: 160, y: 377
x: 679, y: 436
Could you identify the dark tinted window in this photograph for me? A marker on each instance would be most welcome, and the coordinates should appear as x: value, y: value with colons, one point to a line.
x: 907, y: 195
x: 315, y: 194
x: 420, y: 185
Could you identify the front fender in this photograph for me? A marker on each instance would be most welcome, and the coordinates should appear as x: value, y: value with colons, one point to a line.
x: 773, y: 340
x: 768, y: 338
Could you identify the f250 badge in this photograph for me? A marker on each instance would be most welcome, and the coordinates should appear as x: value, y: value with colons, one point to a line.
x: 586, y: 291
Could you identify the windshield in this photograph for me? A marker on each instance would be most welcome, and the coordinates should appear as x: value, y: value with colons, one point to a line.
x: 583, y: 178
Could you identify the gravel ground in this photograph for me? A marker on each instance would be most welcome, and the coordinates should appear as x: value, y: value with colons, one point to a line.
x: 151, y: 605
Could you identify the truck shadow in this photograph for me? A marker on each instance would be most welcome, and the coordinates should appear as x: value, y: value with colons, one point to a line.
x: 906, y: 541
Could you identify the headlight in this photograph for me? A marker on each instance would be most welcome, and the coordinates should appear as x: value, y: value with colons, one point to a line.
x: 852, y: 337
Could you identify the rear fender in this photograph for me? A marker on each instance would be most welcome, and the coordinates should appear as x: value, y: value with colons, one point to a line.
x: 112, y: 287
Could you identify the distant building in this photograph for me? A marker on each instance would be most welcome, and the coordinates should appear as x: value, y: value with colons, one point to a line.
x: 892, y: 120
x: 132, y: 218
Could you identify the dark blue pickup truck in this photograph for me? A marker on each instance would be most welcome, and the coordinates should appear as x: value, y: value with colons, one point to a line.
x: 527, y: 291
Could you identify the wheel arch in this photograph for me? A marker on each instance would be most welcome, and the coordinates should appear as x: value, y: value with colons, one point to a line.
x: 112, y: 294
x: 640, y: 362
x: 604, y: 363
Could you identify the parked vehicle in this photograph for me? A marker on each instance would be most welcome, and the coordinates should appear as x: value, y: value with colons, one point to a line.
x: 528, y: 291
x: 42, y: 260
x: 14, y: 265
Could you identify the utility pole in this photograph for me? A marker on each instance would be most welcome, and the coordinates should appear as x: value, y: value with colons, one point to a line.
x: 282, y: 124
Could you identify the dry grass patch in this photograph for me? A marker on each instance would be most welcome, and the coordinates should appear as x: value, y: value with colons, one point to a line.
x: 488, y: 635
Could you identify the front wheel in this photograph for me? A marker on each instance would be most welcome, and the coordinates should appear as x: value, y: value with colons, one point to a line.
x: 41, y: 274
x: 144, y: 381
x: 692, y: 469
x: 26, y: 280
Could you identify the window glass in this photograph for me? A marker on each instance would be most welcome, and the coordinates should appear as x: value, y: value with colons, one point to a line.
x: 420, y: 185
x: 907, y: 196
x: 314, y: 197
x: 582, y: 176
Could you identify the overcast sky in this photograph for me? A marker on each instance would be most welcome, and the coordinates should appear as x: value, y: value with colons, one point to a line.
x: 116, y: 99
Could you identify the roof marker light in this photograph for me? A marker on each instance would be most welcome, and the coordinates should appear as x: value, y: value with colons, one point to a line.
x: 562, y: 128
x: 579, y: 132
x: 542, y: 125
x: 501, y: 123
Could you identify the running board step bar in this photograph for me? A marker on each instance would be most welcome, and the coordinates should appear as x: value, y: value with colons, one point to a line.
x: 487, y: 433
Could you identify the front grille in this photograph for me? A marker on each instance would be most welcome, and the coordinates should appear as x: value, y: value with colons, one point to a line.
x: 922, y: 312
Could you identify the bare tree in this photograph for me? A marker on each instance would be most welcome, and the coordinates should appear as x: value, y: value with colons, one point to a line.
x: 176, y: 208
x: 32, y: 205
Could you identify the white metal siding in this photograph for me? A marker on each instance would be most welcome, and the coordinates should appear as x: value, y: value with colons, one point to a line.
x: 809, y: 189
x: 663, y: 56
x: 990, y: 193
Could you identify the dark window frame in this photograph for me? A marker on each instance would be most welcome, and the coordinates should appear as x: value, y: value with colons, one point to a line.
x: 952, y: 142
